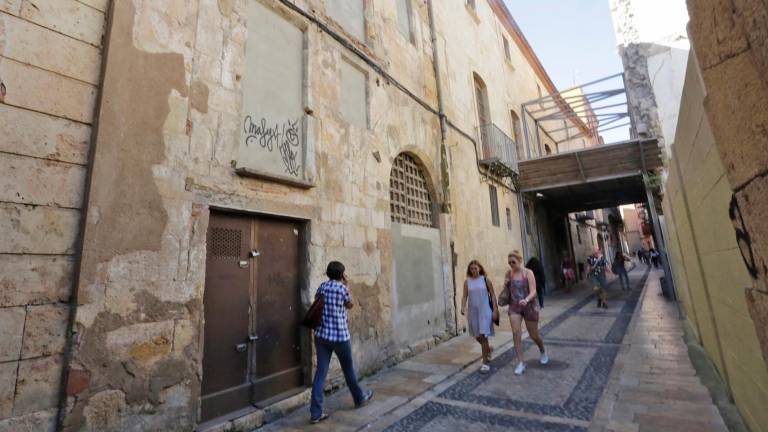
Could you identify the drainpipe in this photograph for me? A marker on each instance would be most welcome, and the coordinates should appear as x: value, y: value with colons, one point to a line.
x: 444, y: 171
x: 71, y: 332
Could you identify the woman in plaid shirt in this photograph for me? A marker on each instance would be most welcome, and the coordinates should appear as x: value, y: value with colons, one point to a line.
x: 332, y: 336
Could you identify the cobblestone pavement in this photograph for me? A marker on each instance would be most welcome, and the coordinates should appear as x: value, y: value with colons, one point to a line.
x: 442, y: 390
x: 654, y: 386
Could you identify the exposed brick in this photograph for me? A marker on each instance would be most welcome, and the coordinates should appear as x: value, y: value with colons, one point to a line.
x: 43, y: 136
x: 43, y: 91
x: 37, y: 387
x: 29, y: 43
x: 77, y: 381
x: 26, y: 180
x: 42, y: 230
x: 66, y: 16
x: 45, y: 331
x: 34, y: 279
x: 11, y: 332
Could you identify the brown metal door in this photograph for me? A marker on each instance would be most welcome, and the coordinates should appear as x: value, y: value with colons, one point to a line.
x: 277, y: 354
x: 226, y: 387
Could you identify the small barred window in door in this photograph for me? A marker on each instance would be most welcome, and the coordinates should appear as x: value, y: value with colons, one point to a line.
x: 410, y: 202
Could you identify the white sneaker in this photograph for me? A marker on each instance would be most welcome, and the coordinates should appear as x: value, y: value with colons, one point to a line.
x: 544, y: 359
x: 485, y: 368
x: 520, y: 368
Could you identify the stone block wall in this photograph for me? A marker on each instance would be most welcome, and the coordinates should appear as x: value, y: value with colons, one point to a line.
x: 50, y: 70
x: 710, y: 275
x: 729, y: 38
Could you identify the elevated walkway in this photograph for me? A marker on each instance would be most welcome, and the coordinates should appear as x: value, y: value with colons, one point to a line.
x: 591, y: 178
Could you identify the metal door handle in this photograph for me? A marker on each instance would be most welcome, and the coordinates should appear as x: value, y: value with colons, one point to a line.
x: 241, y: 347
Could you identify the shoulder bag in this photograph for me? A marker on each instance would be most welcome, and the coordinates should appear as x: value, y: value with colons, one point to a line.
x: 490, y: 300
x: 314, y: 316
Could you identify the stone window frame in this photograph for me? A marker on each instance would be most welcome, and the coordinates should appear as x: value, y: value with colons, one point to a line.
x: 367, y: 10
x: 507, y: 49
x: 357, y: 65
x: 411, y: 37
x: 494, y: 196
x: 310, y: 45
x: 407, y: 209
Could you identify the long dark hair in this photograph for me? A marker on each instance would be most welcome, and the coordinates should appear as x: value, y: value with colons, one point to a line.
x: 479, y: 266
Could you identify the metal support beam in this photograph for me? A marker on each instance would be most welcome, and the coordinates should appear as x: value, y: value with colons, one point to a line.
x: 667, y: 285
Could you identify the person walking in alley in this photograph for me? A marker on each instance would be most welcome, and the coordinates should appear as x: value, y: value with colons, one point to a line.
x: 597, y: 267
x: 521, y: 283
x: 619, y: 268
x: 332, y: 336
x: 569, y: 274
x: 535, y: 266
x: 479, y: 301
x: 655, y: 257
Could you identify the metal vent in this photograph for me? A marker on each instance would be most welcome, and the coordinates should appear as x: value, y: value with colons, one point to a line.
x: 410, y: 202
x: 225, y: 243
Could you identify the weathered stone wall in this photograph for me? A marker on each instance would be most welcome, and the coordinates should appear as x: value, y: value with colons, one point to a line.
x: 479, y: 49
x: 709, y: 272
x: 50, y: 61
x: 169, y: 138
x: 169, y: 130
x: 730, y: 41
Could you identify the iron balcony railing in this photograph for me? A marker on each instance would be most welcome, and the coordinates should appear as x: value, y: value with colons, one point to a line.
x: 496, y: 147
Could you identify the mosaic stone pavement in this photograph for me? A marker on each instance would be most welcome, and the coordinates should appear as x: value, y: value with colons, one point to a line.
x: 582, y: 342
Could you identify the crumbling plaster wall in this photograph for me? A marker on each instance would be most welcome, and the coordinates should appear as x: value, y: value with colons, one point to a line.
x: 50, y: 61
x: 169, y: 126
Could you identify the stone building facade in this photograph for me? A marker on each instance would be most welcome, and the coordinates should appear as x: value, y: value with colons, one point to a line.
x: 178, y: 173
x: 50, y: 75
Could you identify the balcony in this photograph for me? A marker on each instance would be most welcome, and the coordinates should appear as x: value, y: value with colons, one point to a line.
x: 498, y: 152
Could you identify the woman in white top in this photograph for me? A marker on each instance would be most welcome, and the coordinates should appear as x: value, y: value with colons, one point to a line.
x: 483, y: 310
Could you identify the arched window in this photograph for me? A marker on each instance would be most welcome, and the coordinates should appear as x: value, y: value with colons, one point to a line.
x: 409, y: 198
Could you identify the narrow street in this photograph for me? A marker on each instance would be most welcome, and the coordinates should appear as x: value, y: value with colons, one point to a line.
x: 582, y: 388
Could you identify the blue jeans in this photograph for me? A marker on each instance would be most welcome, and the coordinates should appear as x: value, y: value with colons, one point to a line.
x: 623, y: 278
x: 325, y: 349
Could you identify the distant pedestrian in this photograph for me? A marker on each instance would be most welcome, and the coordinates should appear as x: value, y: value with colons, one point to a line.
x: 332, y: 336
x: 569, y: 274
x: 479, y: 304
x: 655, y: 257
x: 521, y: 283
x: 642, y: 255
x: 597, y: 267
x: 620, y: 269
x: 535, y: 266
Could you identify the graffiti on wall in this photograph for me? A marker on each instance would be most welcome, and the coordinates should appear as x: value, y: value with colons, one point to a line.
x: 743, y: 238
x: 285, y: 137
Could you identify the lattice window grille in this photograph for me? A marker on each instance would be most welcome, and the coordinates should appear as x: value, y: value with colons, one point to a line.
x: 224, y: 243
x: 410, y: 202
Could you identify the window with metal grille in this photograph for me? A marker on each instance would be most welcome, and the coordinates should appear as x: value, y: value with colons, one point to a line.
x: 224, y: 243
x: 409, y: 199
x: 509, y: 219
x: 494, y: 206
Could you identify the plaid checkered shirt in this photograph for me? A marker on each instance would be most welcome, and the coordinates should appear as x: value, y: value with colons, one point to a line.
x: 334, y: 325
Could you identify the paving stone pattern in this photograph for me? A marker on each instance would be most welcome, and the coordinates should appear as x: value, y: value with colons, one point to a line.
x: 442, y: 390
x: 580, y: 386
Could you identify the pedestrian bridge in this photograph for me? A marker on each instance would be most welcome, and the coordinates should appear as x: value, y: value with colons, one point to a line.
x: 595, y: 177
